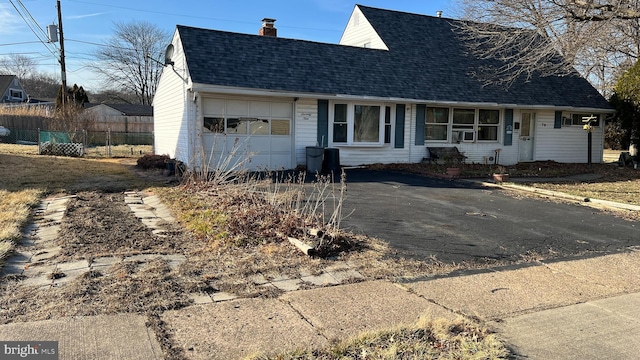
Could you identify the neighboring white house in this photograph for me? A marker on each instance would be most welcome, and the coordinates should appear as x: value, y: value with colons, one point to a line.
x: 396, y: 84
x: 11, y: 90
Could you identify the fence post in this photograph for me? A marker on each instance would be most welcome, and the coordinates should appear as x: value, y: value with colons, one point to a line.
x: 109, y: 142
x: 39, y: 148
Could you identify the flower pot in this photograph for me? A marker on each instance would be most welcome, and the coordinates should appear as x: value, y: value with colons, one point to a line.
x: 501, y: 177
x: 453, y: 171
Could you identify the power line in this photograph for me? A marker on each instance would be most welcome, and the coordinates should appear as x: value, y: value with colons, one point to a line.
x: 32, y: 26
x: 20, y: 43
x: 198, y: 17
x: 97, y: 44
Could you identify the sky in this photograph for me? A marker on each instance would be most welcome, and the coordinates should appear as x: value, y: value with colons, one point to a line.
x: 88, y: 23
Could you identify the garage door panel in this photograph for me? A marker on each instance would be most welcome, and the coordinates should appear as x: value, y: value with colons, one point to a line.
x: 270, y: 126
x: 280, y: 144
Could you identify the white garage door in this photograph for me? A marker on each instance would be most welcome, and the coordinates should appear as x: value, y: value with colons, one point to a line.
x: 250, y: 134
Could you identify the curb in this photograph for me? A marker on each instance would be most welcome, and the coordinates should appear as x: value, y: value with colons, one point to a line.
x: 585, y: 201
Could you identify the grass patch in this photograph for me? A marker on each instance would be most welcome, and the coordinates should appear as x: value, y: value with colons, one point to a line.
x: 15, y: 209
x: 428, y: 339
x: 27, y: 177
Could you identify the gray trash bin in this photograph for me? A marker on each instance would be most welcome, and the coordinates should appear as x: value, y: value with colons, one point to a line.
x: 314, y: 159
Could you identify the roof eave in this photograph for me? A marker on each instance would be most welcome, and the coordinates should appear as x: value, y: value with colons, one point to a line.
x: 230, y: 90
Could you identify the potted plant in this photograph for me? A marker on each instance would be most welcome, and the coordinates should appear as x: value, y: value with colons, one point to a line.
x: 500, y: 174
x: 452, y: 166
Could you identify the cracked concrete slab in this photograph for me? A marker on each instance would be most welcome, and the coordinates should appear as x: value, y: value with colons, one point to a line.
x: 593, y: 330
x: 288, y: 285
x: 123, y: 336
x: 495, y: 295
x: 200, y: 298
x: 47, y: 233
x: 46, y: 253
x: 619, y: 271
x: 239, y: 328
x: 323, y: 279
x: 345, y: 275
x: 222, y: 296
x: 103, y: 263
x: 347, y: 310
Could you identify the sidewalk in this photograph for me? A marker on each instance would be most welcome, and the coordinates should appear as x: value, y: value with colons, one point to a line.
x: 587, y: 308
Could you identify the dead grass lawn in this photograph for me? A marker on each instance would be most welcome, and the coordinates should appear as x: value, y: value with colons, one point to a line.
x: 427, y: 339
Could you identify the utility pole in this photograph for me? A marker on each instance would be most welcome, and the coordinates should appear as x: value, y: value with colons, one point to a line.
x: 63, y: 68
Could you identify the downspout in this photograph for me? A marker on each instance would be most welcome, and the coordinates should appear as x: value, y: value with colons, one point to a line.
x: 294, y: 157
x: 196, y: 133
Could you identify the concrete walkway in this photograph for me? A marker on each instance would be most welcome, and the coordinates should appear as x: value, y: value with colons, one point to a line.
x: 585, y: 308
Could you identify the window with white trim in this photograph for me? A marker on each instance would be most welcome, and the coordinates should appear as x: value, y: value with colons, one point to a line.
x: 437, y: 124
x: 15, y: 93
x: 360, y: 124
x: 488, y: 124
x: 240, y: 117
x: 461, y: 125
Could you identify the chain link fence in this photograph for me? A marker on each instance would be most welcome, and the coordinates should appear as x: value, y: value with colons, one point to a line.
x: 85, y: 143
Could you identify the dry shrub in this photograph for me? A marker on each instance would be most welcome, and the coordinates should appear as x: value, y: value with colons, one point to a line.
x: 150, y: 161
x: 428, y: 339
x: 254, y: 209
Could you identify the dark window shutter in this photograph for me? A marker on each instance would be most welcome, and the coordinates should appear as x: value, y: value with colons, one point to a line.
x: 508, y: 127
x: 399, y: 140
x: 323, y: 123
x: 421, y: 113
x: 557, y: 123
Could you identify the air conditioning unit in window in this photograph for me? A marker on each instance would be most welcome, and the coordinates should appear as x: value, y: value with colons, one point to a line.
x: 468, y: 136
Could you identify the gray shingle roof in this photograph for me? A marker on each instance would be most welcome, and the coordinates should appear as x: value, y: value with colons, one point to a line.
x: 127, y: 109
x: 426, y: 61
x: 5, y: 81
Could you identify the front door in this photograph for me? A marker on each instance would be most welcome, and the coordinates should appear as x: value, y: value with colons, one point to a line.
x: 527, y: 133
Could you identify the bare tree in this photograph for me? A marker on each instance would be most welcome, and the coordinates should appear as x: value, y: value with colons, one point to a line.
x: 128, y: 60
x: 545, y: 37
x: 16, y: 64
x: 40, y: 85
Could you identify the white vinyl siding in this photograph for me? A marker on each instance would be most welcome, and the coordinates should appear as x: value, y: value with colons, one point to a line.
x: 360, y: 33
x: 172, y: 110
x: 306, y: 129
x: 567, y: 144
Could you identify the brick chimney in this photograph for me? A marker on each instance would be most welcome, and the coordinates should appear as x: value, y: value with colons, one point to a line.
x: 267, y: 28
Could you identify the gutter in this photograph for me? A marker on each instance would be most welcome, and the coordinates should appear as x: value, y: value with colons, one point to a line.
x: 230, y: 90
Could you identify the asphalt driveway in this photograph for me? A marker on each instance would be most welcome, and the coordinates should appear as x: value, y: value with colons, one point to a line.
x: 458, y: 221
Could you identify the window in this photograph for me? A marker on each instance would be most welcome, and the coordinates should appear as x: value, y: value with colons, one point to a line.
x: 340, y: 123
x: 246, y: 117
x: 361, y: 124
x: 259, y: 127
x: 15, y: 93
x: 577, y: 120
x: 437, y: 124
x: 461, y: 125
x: 488, y: 122
x: 366, y: 124
x: 280, y: 127
x: 214, y: 124
x: 236, y: 126
x: 387, y: 125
